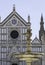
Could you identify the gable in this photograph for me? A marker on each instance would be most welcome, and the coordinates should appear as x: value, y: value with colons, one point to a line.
x: 14, y: 21
x: 19, y: 21
x: 36, y: 41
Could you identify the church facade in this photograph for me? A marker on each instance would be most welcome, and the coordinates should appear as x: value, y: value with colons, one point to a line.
x: 12, y: 39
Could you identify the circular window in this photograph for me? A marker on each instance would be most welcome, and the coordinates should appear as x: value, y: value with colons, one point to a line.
x: 14, y: 21
x: 14, y: 34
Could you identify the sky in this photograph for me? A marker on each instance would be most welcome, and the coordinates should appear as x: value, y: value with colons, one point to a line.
x: 34, y: 8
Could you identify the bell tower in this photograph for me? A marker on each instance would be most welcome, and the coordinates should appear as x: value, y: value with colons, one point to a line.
x: 41, y: 31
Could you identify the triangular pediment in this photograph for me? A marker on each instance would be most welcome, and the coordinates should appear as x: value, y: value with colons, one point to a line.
x: 13, y: 19
x: 36, y: 41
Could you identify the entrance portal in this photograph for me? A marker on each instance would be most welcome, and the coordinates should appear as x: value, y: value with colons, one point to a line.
x: 14, y: 64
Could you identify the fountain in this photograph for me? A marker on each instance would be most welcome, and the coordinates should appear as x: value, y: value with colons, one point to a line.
x: 28, y: 56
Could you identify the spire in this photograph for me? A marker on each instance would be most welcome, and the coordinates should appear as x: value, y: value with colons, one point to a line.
x: 41, y: 17
x: 28, y: 18
x: 13, y: 7
x: 41, y: 23
x: 41, y: 31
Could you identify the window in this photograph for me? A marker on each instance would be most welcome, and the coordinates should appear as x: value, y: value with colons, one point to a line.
x: 0, y: 62
x: 3, y: 30
x: 3, y: 63
x: 23, y: 49
x: 0, y: 41
x: 8, y: 63
x: 4, y: 49
x: 22, y: 63
x: 0, y: 55
x: 23, y: 37
x: 3, y: 37
x: 7, y: 37
x: 0, y: 30
x: 9, y: 49
x: 0, y: 49
x: 18, y: 48
x: 3, y: 55
x: 3, y: 41
x: 40, y: 49
x: 0, y: 37
x: 36, y: 49
x: 23, y: 30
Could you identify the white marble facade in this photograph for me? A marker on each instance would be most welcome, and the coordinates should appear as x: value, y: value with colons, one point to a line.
x: 9, y: 43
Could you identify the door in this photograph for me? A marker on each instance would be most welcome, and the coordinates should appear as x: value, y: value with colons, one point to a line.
x: 14, y: 64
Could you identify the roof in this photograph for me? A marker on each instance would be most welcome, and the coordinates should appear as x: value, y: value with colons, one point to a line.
x: 13, y: 13
x: 36, y: 41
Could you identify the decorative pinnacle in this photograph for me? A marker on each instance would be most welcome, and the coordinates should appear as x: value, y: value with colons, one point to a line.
x: 28, y: 18
x: 13, y: 7
x: 41, y: 20
x: 41, y: 17
x: 0, y: 18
